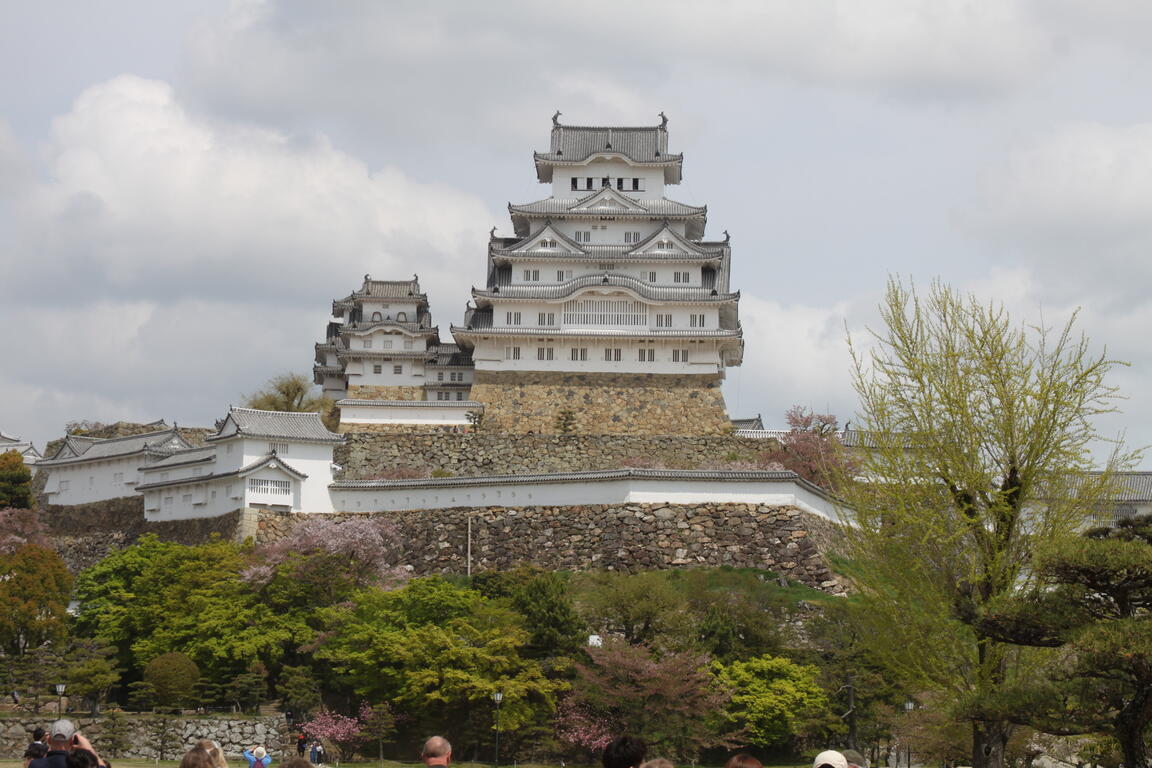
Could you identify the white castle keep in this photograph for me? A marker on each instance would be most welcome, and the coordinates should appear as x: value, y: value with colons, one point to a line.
x: 608, y: 301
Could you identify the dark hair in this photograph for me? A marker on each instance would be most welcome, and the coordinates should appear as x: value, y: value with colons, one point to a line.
x: 81, y: 758
x: 35, y: 751
x: 38, y: 734
x: 743, y: 760
x: 624, y: 752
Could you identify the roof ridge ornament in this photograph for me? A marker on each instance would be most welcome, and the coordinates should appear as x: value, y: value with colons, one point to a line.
x: 727, y: 237
x: 492, y: 233
x: 556, y: 119
x: 663, y: 121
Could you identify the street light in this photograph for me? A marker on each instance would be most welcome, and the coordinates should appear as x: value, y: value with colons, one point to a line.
x: 909, y: 705
x: 60, y: 687
x: 497, y: 697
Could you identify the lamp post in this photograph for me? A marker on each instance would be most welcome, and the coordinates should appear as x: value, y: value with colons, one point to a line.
x: 909, y: 705
x: 497, y: 697
x: 60, y: 688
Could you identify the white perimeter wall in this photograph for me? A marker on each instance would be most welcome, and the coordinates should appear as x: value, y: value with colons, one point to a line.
x: 456, y: 415
x: 92, y: 480
x: 577, y: 492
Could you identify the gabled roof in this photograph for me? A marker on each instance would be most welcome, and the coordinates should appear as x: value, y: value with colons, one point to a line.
x: 666, y: 233
x: 639, y: 145
x: 384, y: 289
x: 180, y: 458
x: 270, y: 459
x: 753, y: 423
x: 276, y: 425
x: 603, y: 280
x: 76, y: 448
x: 609, y: 202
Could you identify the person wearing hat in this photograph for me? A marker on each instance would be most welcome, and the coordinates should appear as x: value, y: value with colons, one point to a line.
x: 854, y: 758
x: 63, y: 737
x: 830, y: 758
x: 257, y: 758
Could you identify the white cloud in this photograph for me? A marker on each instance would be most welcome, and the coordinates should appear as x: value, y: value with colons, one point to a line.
x: 793, y: 355
x: 1075, y: 206
x: 165, y: 253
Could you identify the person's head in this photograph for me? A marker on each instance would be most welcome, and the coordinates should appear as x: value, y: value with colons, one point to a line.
x: 743, y: 760
x: 81, y: 758
x: 259, y: 753
x: 34, y: 752
x: 214, y: 751
x: 197, y: 757
x: 38, y: 734
x: 624, y: 752
x: 657, y: 762
x: 830, y: 758
x: 854, y: 758
x: 437, y: 751
x: 61, y: 733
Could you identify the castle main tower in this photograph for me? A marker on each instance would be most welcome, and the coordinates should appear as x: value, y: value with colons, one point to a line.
x: 608, y: 302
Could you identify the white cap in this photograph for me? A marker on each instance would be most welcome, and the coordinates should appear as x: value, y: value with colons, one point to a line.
x: 830, y: 757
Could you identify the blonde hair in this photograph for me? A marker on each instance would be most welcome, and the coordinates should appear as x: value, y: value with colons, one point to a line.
x: 214, y: 751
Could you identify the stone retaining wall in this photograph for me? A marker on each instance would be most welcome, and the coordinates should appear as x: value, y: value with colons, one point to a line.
x: 624, y: 537
x: 603, y: 403
x: 381, y: 392
x: 85, y: 533
x: 141, y: 733
x: 370, y: 456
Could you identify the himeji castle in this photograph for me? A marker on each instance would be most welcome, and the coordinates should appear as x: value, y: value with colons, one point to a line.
x: 608, y: 301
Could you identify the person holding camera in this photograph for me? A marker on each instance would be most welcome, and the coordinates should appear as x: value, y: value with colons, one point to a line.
x: 63, y: 738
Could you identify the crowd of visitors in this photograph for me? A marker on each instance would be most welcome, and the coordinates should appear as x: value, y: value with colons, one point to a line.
x: 66, y: 747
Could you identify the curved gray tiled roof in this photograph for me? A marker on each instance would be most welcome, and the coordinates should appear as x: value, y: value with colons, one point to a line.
x: 234, y: 473
x: 280, y: 424
x: 637, y: 286
x: 91, y: 448
x: 180, y: 458
x: 643, y: 145
x: 742, y: 476
x: 611, y: 333
x: 562, y: 206
x: 471, y: 405
x: 385, y: 289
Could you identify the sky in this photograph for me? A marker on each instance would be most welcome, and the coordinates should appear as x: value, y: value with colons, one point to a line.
x: 186, y: 186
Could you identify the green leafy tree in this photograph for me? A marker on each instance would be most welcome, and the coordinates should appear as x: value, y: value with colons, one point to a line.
x: 34, y: 590
x: 141, y: 695
x: 249, y: 688
x: 377, y: 725
x: 643, y: 608
x: 15, y: 481
x: 1095, y: 603
x: 91, y: 671
x: 774, y: 700
x: 163, y: 734
x: 293, y: 392
x: 550, y: 616
x: 115, y: 734
x: 566, y: 422
x: 664, y: 699
x: 299, y: 691
x: 438, y: 652
x: 975, y: 430
x: 173, y: 677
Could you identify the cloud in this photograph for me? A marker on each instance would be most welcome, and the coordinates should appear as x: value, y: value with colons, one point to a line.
x: 1075, y: 207
x: 794, y: 355
x: 162, y: 262
x: 447, y: 73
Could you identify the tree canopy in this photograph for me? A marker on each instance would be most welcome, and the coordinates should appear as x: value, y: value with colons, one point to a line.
x: 978, y: 446
x: 292, y: 392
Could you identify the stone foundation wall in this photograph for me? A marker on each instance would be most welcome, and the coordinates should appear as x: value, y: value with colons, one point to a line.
x: 603, y: 403
x: 85, y: 533
x: 142, y: 731
x: 624, y: 537
x: 370, y: 456
x: 379, y: 392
